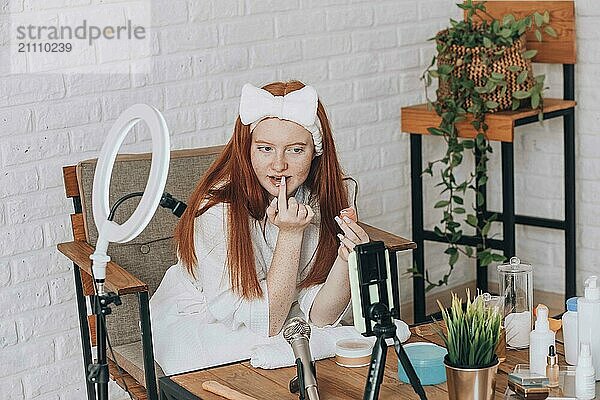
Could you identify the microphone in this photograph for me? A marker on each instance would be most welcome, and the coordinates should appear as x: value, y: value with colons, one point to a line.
x: 297, y: 332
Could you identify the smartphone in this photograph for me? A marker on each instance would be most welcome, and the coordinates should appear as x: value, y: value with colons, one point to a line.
x: 371, y: 281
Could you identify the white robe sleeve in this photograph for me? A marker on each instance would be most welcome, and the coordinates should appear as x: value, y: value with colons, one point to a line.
x: 227, y: 307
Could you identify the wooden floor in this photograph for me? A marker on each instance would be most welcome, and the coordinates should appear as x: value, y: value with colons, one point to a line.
x: 335, y: 382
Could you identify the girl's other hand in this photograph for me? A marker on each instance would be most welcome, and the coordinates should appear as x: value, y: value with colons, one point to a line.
x: 349, y: 212
x: 288, y: 214
x: 353, y: 235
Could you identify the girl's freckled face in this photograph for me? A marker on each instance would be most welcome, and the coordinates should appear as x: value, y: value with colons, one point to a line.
x: 281, y: 148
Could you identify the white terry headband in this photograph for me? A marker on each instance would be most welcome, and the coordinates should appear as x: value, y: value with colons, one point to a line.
x: 299, y: 106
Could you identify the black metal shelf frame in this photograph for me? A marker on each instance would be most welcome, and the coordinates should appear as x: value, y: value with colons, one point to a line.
x: 508, y: 217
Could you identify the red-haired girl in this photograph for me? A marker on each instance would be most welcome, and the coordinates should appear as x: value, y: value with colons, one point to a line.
x: 261, y: 236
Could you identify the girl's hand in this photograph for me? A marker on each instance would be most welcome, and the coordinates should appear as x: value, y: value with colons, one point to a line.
x: 288, y: 214
x: 353, y: 235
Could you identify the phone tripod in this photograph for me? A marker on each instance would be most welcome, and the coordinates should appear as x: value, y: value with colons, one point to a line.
x: 386, y: 329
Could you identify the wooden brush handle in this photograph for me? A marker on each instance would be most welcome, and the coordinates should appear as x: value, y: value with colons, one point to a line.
x: 225, y: 391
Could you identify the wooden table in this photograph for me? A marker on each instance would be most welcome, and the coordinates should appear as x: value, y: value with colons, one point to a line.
x: 335, y: 382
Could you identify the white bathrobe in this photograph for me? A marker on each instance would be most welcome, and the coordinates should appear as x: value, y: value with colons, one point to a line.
x: 201, y: 322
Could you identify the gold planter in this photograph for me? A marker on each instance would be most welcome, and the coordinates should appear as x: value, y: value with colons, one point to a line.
x: 471, y: 383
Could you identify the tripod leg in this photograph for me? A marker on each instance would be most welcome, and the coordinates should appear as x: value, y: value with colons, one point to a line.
x: 408, y: 368
x: 376, y: 369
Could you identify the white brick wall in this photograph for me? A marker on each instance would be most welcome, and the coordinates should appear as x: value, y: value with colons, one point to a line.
x: 364, y: 58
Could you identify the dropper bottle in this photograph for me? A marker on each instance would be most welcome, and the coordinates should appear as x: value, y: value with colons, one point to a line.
x: 552, y: 367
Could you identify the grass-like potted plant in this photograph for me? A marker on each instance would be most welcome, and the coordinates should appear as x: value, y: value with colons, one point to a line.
x: 471, y: 335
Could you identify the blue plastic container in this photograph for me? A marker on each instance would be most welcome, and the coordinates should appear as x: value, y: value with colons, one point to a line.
x: 428, y: 361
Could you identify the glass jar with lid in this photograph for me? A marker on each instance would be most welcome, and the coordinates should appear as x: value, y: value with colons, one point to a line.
x: 515, y: 281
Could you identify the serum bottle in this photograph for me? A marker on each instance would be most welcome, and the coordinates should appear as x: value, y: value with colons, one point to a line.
x: 552, y: 367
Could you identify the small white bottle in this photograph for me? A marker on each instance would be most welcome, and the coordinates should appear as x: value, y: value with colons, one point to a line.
x: 540, y: 340
x: 569, y: 327
x: 588, y: 320
x: 585, y: 374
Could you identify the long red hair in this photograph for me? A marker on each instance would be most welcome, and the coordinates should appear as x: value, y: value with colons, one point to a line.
x: 231, y: 180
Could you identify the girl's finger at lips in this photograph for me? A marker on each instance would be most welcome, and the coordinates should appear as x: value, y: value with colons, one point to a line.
x: 281, y: 197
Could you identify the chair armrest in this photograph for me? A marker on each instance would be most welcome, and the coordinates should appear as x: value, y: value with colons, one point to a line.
x: 392, y: 242
x: 118, y: 280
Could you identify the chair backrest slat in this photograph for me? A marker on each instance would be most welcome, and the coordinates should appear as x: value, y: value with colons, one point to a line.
x: 70, y: 180
x: 77, y: 226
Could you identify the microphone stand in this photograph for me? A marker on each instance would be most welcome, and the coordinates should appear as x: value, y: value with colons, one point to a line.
x: 385, y: 329
x: 297, y: 382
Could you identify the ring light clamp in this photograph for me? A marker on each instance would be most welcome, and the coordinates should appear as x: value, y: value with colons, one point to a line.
x: 110, y: 231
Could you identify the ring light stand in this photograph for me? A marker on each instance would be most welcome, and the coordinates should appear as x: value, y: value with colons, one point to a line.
x: 109, y: 231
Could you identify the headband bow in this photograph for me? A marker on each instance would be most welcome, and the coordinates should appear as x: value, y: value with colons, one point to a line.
x: 299, y: 106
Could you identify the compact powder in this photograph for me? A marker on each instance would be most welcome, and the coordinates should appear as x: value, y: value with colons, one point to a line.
x: 353, y: 352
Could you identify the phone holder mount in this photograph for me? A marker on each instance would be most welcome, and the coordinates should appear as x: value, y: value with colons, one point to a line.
x: 376, y: 299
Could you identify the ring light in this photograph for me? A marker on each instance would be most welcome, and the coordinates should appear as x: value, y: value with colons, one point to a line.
x: 109, y: 231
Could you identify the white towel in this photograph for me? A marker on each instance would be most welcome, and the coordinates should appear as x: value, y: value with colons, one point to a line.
x: 278, y: 353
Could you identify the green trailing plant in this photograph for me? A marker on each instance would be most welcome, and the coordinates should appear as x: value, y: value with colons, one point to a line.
x: 472, y: 333
x: 486, y: 41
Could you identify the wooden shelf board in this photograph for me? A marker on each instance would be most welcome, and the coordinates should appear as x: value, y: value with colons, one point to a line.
x: 417, y: 118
